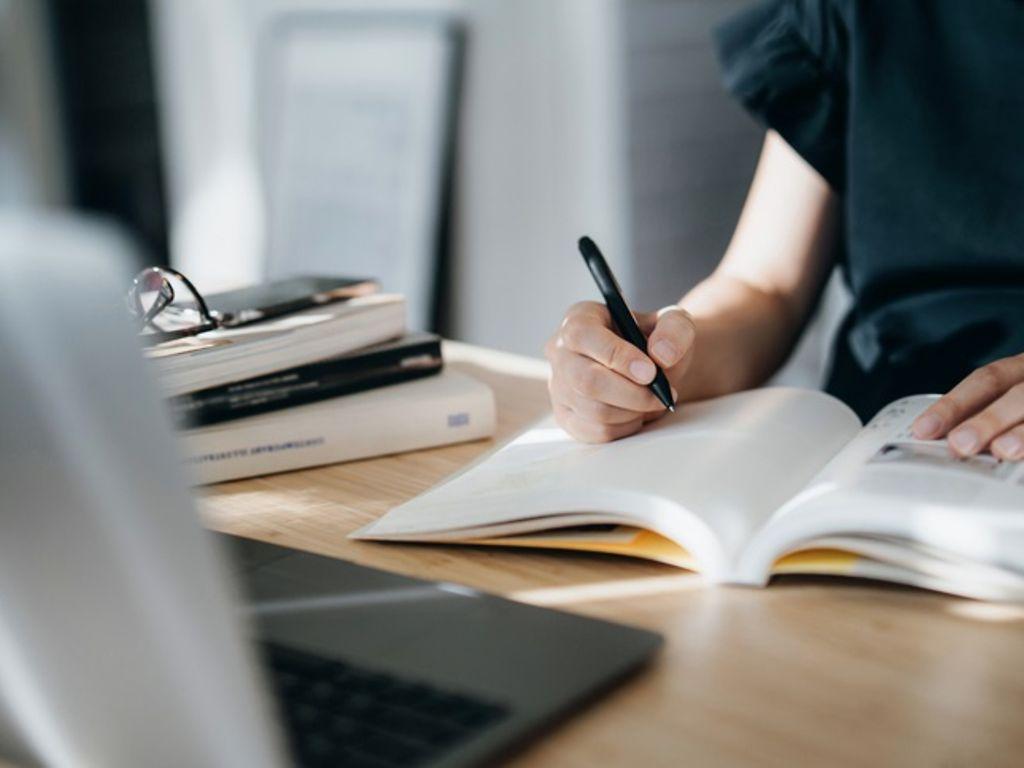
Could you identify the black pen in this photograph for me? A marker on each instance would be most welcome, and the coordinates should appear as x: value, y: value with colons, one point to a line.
x: 621, y: 315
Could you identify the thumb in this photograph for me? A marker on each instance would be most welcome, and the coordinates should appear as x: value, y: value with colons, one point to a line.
x: 672, y: 337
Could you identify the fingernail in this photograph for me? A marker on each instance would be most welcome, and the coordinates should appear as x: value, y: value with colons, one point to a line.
x: 927, y: 426
x: 665, y: 351
x: 964, y: 440
x: 642, y: 370
x: 1010, y: 446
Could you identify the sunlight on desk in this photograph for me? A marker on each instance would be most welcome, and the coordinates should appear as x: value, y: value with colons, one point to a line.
x: 619, y: 589
x: 496, y: 361
x: 991, y: 612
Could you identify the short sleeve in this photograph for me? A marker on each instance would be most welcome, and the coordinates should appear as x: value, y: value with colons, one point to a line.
x: 786, y: 62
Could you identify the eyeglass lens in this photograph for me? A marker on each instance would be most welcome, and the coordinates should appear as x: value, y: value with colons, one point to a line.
x: 166, y: 303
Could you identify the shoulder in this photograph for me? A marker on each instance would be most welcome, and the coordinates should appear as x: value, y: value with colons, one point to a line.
x: 787, y: 61
x: 784, y: 33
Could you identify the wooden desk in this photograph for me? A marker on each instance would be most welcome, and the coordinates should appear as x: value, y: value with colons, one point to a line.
x: 808, y: 671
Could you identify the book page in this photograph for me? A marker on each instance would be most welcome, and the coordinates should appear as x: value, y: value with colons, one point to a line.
x: 888, y: 484
x: 705, y: 477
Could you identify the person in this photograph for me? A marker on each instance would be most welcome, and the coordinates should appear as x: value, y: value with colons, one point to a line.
x: 895, y: 149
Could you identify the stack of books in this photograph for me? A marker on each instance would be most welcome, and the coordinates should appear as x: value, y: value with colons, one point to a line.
x: 299, y: 380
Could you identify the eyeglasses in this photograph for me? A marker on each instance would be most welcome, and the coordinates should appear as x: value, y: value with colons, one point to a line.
x: 167, y: 306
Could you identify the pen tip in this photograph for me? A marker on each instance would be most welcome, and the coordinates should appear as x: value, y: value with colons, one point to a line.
x: 671, y: 409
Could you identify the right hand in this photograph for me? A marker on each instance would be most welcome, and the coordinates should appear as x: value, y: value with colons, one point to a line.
x: 599, y: 380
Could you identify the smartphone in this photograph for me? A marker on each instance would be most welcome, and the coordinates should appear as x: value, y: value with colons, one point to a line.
x: 282, y: 297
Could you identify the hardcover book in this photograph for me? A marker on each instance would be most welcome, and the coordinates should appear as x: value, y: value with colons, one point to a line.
x: 411, y: 357
x: 227, y: 355
x: 439, y: 410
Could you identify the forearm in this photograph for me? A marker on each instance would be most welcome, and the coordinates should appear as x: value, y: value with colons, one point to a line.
x: 743, y: 335
x: 749, y: 313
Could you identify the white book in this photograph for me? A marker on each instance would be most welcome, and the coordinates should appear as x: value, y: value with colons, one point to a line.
x: 227, y: 355
x: 745, y: 487
x: 447, y: 408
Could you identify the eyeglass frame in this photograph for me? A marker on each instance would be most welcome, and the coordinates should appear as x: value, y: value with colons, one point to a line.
x: 211, y: 320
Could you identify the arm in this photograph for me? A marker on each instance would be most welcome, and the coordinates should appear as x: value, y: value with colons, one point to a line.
x: 730, y: 332
x: 749, y: 313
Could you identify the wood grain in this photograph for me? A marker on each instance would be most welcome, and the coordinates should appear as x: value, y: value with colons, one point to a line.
x: 806, y: 672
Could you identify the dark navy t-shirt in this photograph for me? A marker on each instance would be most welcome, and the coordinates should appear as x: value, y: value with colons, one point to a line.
x: 913, y: 111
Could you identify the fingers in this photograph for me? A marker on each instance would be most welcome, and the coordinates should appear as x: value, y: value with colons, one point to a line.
x: 599, y: 381
x: 590, y: 431
x: 603, y: 413
x: 985, y: 410
x: 977, y: 432
x: 1010, y: 445
x: 968, y: 397
x: 587, y: 331
x: 672, y: 337
x: 590, y: 380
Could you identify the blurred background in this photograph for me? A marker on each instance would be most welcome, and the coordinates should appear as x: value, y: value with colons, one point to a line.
x: 453, y: 150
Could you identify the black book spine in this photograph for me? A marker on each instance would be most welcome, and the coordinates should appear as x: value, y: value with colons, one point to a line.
x: 306, y: 384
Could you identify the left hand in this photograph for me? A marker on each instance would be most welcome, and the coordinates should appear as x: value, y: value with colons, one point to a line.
x: 985, y: 410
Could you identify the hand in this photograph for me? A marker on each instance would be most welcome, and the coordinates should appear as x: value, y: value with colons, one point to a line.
x: 985, y: 410
x: 599, y: 380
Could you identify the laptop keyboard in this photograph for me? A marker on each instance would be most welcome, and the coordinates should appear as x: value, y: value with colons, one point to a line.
x: 338, y: 714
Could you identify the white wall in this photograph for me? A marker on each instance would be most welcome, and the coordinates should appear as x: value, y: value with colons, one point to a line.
x: 604, y: 117
x: 692, y: 147
x: 540, y: 163
x: 32, y: 169
x: 205, y: 79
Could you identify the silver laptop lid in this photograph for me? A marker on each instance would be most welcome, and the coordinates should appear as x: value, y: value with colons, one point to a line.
x: 119, y: 641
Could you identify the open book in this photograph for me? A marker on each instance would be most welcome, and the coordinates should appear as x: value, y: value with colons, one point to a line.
x: 744, y: 487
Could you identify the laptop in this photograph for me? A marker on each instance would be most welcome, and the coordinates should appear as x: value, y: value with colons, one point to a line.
x: 130, y: 636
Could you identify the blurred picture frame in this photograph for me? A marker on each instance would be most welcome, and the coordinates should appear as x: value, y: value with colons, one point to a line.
x: 357, y: 115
